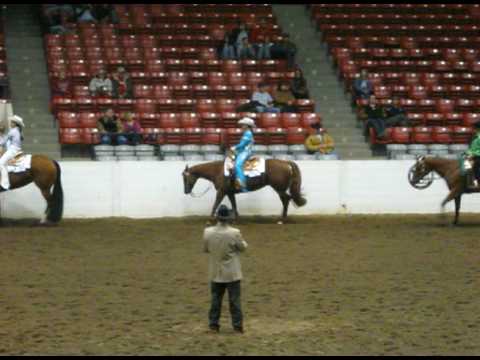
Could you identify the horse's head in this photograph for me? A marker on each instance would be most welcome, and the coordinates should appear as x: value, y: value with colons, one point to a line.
x: 418, y: 172
x: 189, y: 180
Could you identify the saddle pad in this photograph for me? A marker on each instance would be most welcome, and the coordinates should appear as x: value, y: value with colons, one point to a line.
x: 22, y: 165
x: 252, y: 168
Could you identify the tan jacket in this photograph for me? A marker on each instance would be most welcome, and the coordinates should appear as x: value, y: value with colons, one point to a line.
x: 224, y: 244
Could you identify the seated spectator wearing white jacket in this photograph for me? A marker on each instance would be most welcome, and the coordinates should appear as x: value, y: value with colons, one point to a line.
x: 263, y: 100
x: 101, y: 85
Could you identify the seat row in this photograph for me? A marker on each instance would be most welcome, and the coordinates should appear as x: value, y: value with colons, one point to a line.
x: 424, y: 135
x: 405, y: 42
x: 195, y: 120
x: 198, y: 136
x: 92, y: 66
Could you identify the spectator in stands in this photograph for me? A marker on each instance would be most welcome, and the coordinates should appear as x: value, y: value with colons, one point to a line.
x: 84, y: 13
x: 245, y: 50
x: 227, y: 50
x: 240, y: 33
x: 284, y: 99
x: 261, y: 41
x: 375, y: 118
x: 131, y: 131
x: 264, y: 49
x: 285, y: 49
x: 122, y: 84
x: 105, y: 13
x: 263, y: 100
x: 101, y: 85
x: 299, y: 85
x: 56, y: 21
x: 108, y: 126
x: 362, y: 87
x: 396, y: 115
x: 62, y: 86
x: 319, y: 141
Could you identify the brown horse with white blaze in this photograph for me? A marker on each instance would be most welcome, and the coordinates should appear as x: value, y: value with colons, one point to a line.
x: 283, y: 176
x: 46, y: 175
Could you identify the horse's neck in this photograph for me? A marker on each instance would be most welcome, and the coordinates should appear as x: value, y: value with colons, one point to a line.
x: 442, y: 167
x: 208, y: 171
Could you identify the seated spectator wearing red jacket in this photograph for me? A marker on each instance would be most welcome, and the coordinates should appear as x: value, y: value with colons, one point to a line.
x: 62, y: 85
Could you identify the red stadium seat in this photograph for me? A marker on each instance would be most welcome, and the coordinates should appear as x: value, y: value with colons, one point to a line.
x: 212, y: 136
x: 189, y: 120
x: 296, y: 135
x: 461, y: 134
x: 88, y: 119
x: 401, y: 135
x: 226, y: 105
x: 148, y: 120
x: 441, y: 135
x: 70, y: 136
x: 142, y: 91
x: 67, y: 120
x: 168, y: 120
x: 210, y: 120
x: 145, y: 106
x: 268, y: 120
x: 291, y: 120
x: 230, y: 119
x: 206, y: 105
x: 166, y: 105
x: 422, y: 135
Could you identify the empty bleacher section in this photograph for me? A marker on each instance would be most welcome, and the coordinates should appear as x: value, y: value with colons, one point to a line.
x: 426, y: 54
x: 184, y: 96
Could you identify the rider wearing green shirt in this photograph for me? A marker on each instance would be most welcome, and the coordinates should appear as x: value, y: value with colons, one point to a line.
x: 474, y: 151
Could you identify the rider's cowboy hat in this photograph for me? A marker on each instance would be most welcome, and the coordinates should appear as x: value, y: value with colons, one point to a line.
x: 17, y: 120
x: 477, y: 125
x: 247, y: 121
x: 224, y: 213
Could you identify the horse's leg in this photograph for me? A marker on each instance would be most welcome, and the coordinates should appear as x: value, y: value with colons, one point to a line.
x: 453, y: 195
x: 218, y: 200
x: 48, y: 199
x: 285, y: 198
x: 233, y: 201
x: 458, y: 204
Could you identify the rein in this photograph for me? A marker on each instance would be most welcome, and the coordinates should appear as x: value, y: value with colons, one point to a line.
x: 202, y: 194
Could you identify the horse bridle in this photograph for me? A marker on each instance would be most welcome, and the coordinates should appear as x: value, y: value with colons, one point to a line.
x: 426, y: 181
x: 192, y: 194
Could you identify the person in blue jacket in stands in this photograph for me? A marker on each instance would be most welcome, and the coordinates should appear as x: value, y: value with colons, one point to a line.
x: 243, y: 151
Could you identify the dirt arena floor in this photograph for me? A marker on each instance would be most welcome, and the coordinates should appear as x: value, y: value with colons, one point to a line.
x: 394, y: 285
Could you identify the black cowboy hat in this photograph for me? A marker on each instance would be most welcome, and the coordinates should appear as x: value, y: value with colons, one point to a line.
x: 316, y: 125
x: 223, y: 213
x: 477, y: 125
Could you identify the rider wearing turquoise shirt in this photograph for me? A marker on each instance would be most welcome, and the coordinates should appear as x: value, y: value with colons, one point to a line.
x: 243, y: 151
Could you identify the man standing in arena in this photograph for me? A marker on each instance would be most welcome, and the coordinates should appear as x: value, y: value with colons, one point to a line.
x: 224, y: 245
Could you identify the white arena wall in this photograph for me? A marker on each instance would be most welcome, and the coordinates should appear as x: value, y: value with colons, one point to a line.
x: 155, y: 189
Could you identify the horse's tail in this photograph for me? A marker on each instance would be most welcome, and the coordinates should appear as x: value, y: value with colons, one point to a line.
x: 55, y: 210
x: 296, y: 186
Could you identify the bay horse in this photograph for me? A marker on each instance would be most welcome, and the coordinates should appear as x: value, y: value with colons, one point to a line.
x: 283, y: 176
x: 450, y: 171
x: 46, y: 174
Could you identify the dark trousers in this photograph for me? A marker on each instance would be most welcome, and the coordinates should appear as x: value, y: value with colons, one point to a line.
x: 476, y: 168
x: 218, y: 290
x: 377, y: 124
